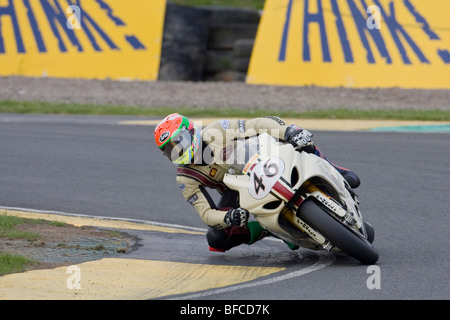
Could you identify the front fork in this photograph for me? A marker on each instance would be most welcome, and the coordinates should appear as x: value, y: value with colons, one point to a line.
x: 345, y: 217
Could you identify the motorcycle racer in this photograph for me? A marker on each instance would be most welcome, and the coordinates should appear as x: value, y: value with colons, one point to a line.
x: 203, y: 156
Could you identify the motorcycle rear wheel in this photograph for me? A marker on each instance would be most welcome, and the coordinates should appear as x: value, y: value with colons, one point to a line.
x: 337, y: 233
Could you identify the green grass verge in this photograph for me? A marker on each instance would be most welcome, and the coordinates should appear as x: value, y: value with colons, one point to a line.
x: 8, y: 229
x: 40, y: 107
x: 11, y: 263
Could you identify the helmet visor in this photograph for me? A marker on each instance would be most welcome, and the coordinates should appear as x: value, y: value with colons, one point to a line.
x: 179, y: 148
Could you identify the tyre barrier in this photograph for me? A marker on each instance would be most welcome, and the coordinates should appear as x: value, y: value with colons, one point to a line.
x: 207, y: 43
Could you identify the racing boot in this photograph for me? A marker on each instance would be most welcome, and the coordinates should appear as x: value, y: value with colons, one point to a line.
x: 225, y: 239
x: 256, y: 232
x: 291, y: 246
x: 349, y: 176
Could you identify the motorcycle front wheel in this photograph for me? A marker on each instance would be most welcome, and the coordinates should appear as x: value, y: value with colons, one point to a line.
x: 337, y: 233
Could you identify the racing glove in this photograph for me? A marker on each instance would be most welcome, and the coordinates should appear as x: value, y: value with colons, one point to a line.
x: 298, y: 137
x: 236, y: 217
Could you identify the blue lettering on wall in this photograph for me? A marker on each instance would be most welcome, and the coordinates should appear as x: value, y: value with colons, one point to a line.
x: 57, y: 15
x: 11, y: 12
x: 282, y: 54
x: 109, y: 12
x: 35, y: 27
x: 342, y: 33
x: 420, y: 19
x: 134, y: 42
x: 360, y: 23
x: 316, y: 18
x: 397, y: 31
x: 57, y: 19
x: 445, y: 55
x: 86, y: 20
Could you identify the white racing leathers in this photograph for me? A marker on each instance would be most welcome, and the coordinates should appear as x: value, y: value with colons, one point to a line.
x: 215, y: 159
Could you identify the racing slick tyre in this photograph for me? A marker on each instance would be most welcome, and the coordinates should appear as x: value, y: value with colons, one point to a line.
x: 370, y: 231
x: 337, y: 233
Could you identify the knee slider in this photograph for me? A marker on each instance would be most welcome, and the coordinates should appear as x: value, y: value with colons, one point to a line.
x: 216, y: 238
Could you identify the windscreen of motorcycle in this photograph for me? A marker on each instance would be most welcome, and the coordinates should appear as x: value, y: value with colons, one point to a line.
x: 242, y: 152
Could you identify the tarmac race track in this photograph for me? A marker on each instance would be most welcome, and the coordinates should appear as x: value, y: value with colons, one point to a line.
x: 101, y: 166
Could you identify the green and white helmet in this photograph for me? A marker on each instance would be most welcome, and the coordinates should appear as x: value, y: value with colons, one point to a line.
x: 178, y: 138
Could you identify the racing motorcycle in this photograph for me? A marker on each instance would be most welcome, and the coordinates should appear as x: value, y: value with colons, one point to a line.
x: 299, y: 198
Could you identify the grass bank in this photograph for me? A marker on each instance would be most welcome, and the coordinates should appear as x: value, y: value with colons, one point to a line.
x: 42, y: 107
x: 12, y: 263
